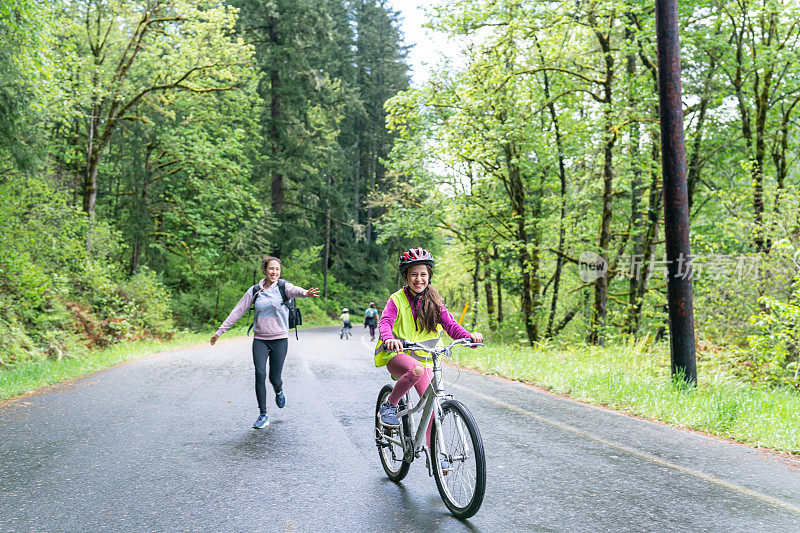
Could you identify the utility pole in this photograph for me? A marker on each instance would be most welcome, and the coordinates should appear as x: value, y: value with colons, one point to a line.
x: 676, y: 205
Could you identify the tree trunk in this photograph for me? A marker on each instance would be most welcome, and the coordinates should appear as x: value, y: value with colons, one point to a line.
x: 761, y: 90
x: 562, y: 176
x: 358, y: 171
x: 693, y: 172
x: 275, y: 122
x: 517, y: 193
x: 327, y: 241
x: 637, y: 222
x: 601, y: 284
x: 499, y: 283
x: 275, y: 135
x: 92, y: 160
x: 487, y: 286
x: 642, y: 271
x: 140, y: 219
x: 475, y: 293
x: 372, y: 171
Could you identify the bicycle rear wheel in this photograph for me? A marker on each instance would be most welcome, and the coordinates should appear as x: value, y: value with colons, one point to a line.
x: 463, y: 484
x: 391, y: 453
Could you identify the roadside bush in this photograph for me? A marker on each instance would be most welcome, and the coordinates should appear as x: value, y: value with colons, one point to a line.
x: 150, y: 311
x: 312, y: 311
x: 775, y: 345
x: 15, y: 344
x: 196, y: 310
x: 61, y: 287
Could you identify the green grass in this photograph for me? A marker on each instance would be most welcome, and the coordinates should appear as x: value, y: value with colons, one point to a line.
x: 637, y: 381
x: 34, y: 375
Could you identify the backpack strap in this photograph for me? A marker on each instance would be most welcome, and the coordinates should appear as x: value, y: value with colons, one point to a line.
x: 282, y: 288
x: 255, y: 290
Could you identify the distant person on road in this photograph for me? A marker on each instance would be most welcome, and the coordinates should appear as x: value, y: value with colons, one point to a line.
x: 371, y: 320
x: 346, y: 326
x: 415, y: 313
x: 270, y: 331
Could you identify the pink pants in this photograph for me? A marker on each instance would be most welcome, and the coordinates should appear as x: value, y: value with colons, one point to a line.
x: 401, y: 366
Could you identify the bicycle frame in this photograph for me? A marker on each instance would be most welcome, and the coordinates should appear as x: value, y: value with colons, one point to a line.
x: 431, y: 399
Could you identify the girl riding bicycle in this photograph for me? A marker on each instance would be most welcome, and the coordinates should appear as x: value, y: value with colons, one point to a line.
x: 415, y: 313
x: 346, y: 326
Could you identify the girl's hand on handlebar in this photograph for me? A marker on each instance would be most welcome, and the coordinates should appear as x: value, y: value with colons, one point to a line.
x: 476, y: 337
x: 394, y: 345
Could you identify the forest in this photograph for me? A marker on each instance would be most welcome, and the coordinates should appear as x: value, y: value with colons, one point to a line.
x: 152, y: 151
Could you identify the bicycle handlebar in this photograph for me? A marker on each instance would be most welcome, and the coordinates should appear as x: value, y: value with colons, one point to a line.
x: 438, y: 349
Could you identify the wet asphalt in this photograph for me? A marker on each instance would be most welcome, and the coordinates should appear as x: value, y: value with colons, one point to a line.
x: 165, y: 443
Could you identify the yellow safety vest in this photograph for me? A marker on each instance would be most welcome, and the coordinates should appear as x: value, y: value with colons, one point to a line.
x: 406, y: 329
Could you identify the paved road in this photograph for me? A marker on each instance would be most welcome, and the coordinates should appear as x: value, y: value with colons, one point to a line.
x: 164, y: 444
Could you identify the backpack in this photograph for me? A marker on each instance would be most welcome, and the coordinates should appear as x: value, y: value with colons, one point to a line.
x: 371, y: 317
x: 295, y: 317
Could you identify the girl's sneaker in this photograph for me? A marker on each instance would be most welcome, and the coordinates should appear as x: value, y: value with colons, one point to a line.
x: 262, y: 421
x: 388, y: 414
x: 280, y: 399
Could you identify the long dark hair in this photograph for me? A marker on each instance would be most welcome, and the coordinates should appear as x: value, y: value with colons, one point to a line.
x: 430, y: 306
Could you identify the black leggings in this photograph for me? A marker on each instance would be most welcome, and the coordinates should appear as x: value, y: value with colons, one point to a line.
x: 275, y: 350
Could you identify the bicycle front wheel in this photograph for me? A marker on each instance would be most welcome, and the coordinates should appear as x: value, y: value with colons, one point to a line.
x: 391, y: 453
x: 460, y: 466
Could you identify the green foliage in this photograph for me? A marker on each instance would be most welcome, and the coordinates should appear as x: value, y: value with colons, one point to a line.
x: 167, y: 123
x: 149, y: 302
x: 24, y: 72
x: 57, y: 294
x: 775, y: 343
x: 541, y: 142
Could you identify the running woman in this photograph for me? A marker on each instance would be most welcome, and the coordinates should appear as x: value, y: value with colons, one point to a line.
x: 270, y: 331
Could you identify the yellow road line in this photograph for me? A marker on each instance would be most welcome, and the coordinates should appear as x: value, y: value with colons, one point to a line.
x: 642, y: 455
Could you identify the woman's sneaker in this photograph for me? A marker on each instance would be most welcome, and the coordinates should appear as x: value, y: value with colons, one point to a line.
x: 262, y: 421
x: 280, y: 399
x: 388, y: 414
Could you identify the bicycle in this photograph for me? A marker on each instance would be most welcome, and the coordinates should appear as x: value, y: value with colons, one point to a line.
x: 454, y: 438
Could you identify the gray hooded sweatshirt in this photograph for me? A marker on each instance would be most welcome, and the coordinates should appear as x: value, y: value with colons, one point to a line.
x: 271, y: 317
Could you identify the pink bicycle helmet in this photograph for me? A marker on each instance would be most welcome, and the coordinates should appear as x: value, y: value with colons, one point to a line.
x: 415, y: 256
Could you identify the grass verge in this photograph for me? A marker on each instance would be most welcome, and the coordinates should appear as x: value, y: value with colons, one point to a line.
x: 34, y: 375
x: 637, y: 380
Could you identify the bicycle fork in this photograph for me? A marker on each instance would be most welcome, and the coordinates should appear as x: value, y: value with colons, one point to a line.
x: 433, y: 405
x: 465, y: 446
